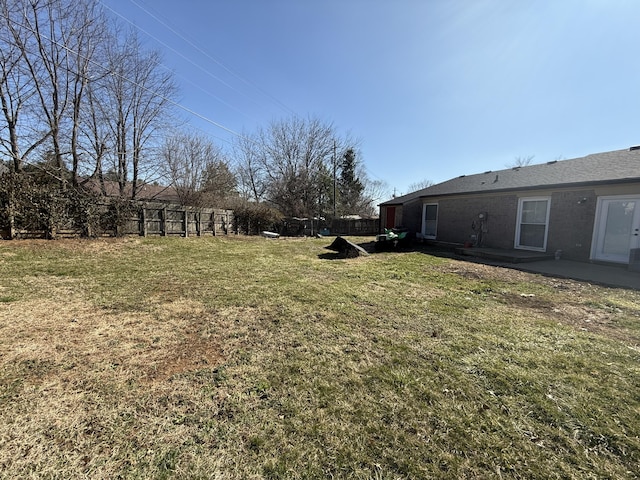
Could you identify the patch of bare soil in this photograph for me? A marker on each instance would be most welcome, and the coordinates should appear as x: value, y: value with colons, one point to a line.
x: 65, y: 340
x: 485, y: 271
x: 193, y: 353
x: 570, y: 302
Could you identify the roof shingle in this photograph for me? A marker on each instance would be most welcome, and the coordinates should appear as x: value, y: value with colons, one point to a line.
x: 609, y: 167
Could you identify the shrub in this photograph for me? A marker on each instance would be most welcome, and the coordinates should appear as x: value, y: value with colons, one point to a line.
x: 33, y: 203
x: 251, y: 217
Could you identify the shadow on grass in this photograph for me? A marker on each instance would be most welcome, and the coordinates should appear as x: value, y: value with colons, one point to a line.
x: 373, y: 247
x: 342, y: 250
x: 331, y: 256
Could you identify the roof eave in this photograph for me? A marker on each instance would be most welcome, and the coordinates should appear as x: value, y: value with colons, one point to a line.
x: 537, y: 187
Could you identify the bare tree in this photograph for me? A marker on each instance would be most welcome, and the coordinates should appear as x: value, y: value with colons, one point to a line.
x: 196, y: 168
x: 47, y: 61
x: 293, y: 154
x: 17, y: 88
x: 415, y: 186
x: 152, y: 93
x: 116, y: 103
x: 14, y: 91
x: 376, y: 191
x: 250, y: 168
x: 95, y: 132
x: 84, y: 68
x: 521, y: 161
x: 137, y: 96
x: 43, y: 34
x: 292, y: 164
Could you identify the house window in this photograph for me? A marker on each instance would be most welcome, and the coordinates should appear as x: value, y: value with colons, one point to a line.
x: 430, y: 220
x: 533, y: 223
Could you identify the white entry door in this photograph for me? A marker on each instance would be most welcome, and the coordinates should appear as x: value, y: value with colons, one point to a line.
x: 617, y: 228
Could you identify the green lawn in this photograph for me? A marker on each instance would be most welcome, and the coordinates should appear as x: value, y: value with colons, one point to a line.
x: 250, y: 358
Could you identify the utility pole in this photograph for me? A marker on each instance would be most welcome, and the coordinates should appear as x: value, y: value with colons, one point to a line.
x: 334, y: 180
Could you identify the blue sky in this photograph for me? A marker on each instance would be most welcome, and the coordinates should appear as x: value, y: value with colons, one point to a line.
x: 432, y: 89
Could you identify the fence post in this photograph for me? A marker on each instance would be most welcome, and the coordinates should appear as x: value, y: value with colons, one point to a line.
x: 163, y: 222
x: 12, y: 221
x: 185, y: 222
x: 87, y: 223
x: 143, y: 221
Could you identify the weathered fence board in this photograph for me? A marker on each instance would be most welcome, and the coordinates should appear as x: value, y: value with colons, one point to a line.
x: 349, y: 226
x: 154, y: 219
x: 173, y: 220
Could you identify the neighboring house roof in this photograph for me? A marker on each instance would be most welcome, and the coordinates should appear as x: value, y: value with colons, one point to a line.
x: 619, y: 166
x: 146, y: 192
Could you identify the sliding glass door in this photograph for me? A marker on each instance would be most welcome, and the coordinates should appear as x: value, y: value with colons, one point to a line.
x: 617, y: 228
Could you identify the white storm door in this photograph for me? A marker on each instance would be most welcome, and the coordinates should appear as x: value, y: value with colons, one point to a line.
x: 430, y: 220
x: 617, y: 228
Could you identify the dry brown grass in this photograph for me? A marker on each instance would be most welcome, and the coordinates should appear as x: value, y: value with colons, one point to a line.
x: 78, y: 370
x: 245, y: 358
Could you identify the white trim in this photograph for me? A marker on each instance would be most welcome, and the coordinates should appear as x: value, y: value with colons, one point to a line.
x: 424, y: 221
x: 521, y: 201
x: 598, y: 227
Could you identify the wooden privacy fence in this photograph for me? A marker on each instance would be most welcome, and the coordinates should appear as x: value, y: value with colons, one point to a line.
x: 351, y: 226
x: 295, y: 227
x: 145, y: 219
x: 162, y: 219
x: 175, y: 220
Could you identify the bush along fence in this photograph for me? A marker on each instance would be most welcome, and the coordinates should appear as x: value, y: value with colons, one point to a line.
x: 41, y: 205
x: 120, y: 218
x: 33, y: 207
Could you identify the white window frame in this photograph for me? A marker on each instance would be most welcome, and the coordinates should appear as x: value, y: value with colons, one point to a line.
x: 424, y: 220
x: 521, y: 202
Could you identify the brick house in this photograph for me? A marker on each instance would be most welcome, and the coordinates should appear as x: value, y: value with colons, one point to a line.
x: 589, y: 208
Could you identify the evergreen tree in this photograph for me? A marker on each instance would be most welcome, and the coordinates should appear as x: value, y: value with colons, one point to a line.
x: 350, y: 188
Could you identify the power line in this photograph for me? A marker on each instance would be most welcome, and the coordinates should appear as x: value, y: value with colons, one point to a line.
x: 213, y: 59
x: 155, y: 93
x: 146, y: 89
x: 195, y: 64
x: 171, y: 48
x: 207, y: 92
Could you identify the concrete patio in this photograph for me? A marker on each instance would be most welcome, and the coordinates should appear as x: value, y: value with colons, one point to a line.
x: 609, y: 275
x: 603, y: 274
